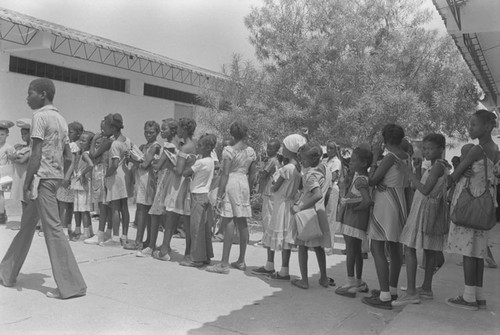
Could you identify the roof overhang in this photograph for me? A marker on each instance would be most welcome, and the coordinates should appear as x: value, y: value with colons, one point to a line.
x: 474, y: 25
x: 24, y: 33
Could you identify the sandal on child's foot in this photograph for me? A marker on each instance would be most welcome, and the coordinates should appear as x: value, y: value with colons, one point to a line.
x: 406, y: 299
x: 425, y: 294
x: 239, y: 266
x: 376, y: 302
x: 158, y: 256
x: 363, y: 287
x: 218, y: 268
x: 300, y: 284
x: 262, y: 271
x: 277, y: 276
x: 347, y: 291
x: 331, y: 282
x: 325, y: 282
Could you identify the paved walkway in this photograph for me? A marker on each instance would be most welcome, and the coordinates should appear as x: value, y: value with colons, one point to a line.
x: 130, y: 295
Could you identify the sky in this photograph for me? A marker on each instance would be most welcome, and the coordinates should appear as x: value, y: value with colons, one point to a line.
x: 204, y: 33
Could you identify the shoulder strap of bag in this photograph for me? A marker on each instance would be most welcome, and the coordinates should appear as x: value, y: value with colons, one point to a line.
x: 487, y: 181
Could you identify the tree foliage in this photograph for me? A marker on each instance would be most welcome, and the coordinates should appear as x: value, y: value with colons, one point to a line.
x: 344, y: 69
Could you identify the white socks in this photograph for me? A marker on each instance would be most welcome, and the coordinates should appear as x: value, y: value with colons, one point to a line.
x: 479, y: 293
x: 284, y: 271
x: 269, y: 266
x: 385, y: 296
x: 469, y: 293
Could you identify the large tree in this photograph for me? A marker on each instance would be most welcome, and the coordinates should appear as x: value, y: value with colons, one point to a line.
x: 346, y: 68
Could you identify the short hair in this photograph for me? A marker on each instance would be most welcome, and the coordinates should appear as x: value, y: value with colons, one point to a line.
x: 364, y: 155
x: 44, y: 85
x: 172, y: 124
x: 208, y: 140
x: 152, y: 124
x: 76, y: 126
x: 406, y: 146
x: 312, y: 150
x: 393, y: 134
x: 6, y: 130
x: 115, y: 120
x: 188, y: 124
x: 486, y: 117
x: 238, y: 130
x: 437, y: 139
x: 274, y: 142
x: 89, y: 133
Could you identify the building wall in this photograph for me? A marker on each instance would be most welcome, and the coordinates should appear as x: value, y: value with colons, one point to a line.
x: 87, y: 104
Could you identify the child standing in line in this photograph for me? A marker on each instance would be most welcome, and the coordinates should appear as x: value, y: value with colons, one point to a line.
x: 313, y: 192
x: 202, y: 173
x: 157, y: 211
x: 278, y: 234
x: 355, y: 221
x: 333, y: 164
x: 266, y: 180
x: 145, y: 183
x: 82, y: 189
x: 20, y: 159
x: 388, y: 216
x: 99, y: 152
x: 116, y: 184
x: 233, y: 197
x: 431, y: 187
x: 472, y: 244
x: 6, y: 151
x: 177, y: 200
x: 65, y: 195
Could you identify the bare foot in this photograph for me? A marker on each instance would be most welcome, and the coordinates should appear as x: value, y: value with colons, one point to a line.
x: 324, y: 282
x: 300, y: 283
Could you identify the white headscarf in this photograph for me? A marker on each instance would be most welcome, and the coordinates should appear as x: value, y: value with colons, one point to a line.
x: 294, y: 142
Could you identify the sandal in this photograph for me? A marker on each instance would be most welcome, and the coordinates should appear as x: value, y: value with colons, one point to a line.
x: 239, y: 266
x: 156, y: 255
x: 347, y: 291
x: 298, y: 283
x: 277, y: 276
x: 331, y: 282
x: 218, y: 268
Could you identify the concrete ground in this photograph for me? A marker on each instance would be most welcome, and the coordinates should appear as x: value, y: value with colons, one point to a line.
x: 130, y: 295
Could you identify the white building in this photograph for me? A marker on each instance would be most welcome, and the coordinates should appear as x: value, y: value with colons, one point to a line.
x: 93, y: 76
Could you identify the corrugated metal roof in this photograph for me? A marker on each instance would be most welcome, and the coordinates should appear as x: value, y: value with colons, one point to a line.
x: 59, y: 30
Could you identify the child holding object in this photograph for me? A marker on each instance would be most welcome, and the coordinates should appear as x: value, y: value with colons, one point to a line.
x: 313, y: 183
x: 145, y: 184
x: 427, y: 224
x: 355, y: 221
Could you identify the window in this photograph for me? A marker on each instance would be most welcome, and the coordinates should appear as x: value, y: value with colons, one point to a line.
x: 170, y: 94
x: 39, y: 69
